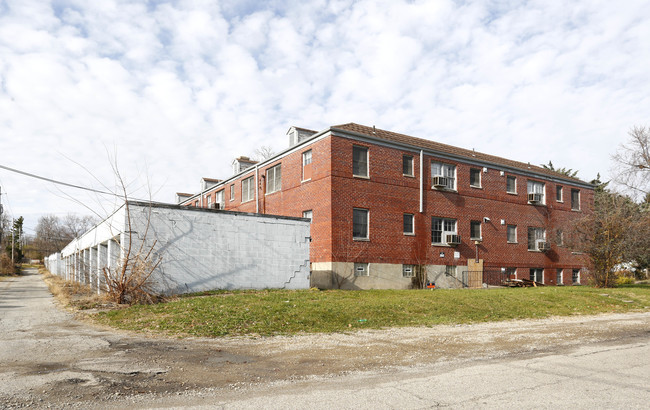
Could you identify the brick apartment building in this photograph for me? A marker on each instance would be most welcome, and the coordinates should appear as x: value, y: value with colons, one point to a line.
x: 387, y: 207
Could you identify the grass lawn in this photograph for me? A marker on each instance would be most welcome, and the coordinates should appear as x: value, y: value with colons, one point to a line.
x: 273, y: 312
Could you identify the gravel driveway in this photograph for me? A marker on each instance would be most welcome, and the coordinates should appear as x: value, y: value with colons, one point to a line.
x: 50, y: 359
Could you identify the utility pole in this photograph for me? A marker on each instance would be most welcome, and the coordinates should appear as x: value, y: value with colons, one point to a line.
x: 1, y: 227
x: 12, y: 246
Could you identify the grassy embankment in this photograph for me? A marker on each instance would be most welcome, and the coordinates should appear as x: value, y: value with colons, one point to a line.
x: 273, y: 312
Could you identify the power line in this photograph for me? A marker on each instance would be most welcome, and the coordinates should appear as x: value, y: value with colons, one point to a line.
x: 54, y: 181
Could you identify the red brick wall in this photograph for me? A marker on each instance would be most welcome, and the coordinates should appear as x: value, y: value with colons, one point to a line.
x: 388, y: 194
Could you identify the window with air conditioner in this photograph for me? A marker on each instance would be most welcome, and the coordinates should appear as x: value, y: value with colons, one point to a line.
x: 443, y: 176
x: 443, y: 230
x: 360, y: 161
x: 536, y: 192
x: 407, y: 165
x: 535, y: 237
x: 360, y: 223
x: 274, y: 179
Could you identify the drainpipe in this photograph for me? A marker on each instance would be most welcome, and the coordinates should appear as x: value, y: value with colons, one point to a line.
x: 257, y: 188
x: 421, y: 181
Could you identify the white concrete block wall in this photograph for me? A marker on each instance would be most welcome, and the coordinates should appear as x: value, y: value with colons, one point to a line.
x: 201, y: 249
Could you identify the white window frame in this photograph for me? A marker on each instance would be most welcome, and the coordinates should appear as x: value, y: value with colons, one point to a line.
x: 480, y: 231
x: 367, y: 212
x: 441, y: 169
x: 208, y: 200
x: 559, y: 189
x: 514, y: 229
x: 359, y: 147
x: 508, y: 177
x: 575, y: 277
x: 445, y: 223
x: 274, y: 179
x: 412, y: 224
x: 511, y: 271
x: 408, y: 271
x: 361, y: 269
x: 559, y: 276
x: 306, y: 160
x: 219, y: 199
x: 232, y: 192
x: 247, y: 189
x: 408, y: 159
x: 535, y: 273
x: 537, y: 187
x: 477, y: 171
x: 308, y: 214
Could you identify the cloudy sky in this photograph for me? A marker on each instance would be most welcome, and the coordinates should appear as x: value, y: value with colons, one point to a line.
x: 172, y: 91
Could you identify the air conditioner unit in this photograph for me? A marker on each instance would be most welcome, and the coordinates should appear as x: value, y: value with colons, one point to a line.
x: 543, y: 246
x: 216, y: 205
x: 440, y: 182
x: 453, y: 240
x: 534, y: 198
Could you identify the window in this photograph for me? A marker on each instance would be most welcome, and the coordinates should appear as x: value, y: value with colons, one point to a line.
x: 306, y: 165
x: 475, y: 178
x: 535, y: 235
x: 512, y: 233
x: 559, y: 237
x: 208, y: 200
x: 308, y: 214
x: 232, y: 192
x: 511, y: 184
x: 219, y: 199
x: 537, y: 275
x: 359, y: 223
x: 408, y: 224
x: 196, y: 204
x: 575, y: 276
x: 558, y: 278
x: 511, y: 273
x: 448, y: 172
x: 450, y: 270
x: 361, y: 269
x: 440, y: 228
x: 407, y: 165
x: 360, y: 161
x: 575, y: 199
x: 274, y: 179
x: 475, y: 230
x: 537, y: 188
x: 247, y: 189
x: 408, y: 271
x: 558, y: 193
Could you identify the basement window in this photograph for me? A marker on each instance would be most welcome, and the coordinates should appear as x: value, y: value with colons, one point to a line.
x: 361, y: 269
x: 408, y: 271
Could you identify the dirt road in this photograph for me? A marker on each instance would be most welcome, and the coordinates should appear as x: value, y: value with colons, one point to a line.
x: 49, y: 359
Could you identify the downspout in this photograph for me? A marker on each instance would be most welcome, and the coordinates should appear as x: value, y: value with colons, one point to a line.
x: 421, y: 181
x: 257, y: 188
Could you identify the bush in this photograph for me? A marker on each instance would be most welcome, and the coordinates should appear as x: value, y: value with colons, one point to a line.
x: 624, y: 280
x: 6, y: 267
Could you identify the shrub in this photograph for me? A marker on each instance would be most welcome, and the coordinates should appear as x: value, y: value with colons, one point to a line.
x: 6, y: 267
x: 624, y: 280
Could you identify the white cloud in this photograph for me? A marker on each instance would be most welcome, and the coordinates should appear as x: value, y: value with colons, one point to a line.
x: 186, y: 86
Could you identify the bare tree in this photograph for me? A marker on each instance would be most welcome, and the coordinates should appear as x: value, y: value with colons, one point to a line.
x: 263, y: 152
x: 633, y: 162
x: 75, y: 225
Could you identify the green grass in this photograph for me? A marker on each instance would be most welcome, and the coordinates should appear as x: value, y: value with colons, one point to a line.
x: 274, y: 312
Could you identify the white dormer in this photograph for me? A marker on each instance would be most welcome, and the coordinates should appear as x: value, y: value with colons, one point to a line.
x: 297, y: 135
x: 241, y: 163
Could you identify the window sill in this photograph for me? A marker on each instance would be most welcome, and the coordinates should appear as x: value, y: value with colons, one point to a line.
x: 249, y: 200
x: 305, y: 180
x: 360, y: 176
x: 534, y: 250
x: 559, y: 202
x: 536, y: 204
x: 271, y: 193
x: 409, y: 234
x: 476, y: 239
x: 576, y: 210
x: 513, y: 243
x: 476, y: 186
x: 443, y: 245
x: 511, y: 193
x: 444, y: 190
x: 409, y: 176
x: 361, y: 239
